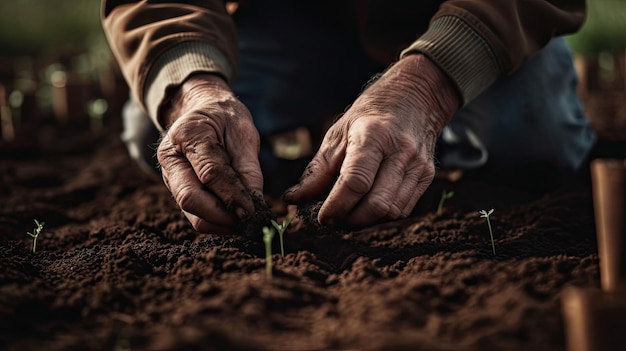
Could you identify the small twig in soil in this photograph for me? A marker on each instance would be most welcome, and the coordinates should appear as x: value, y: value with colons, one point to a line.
x: 281, y: 228
x: 445, y: 195
x: 485, y: 214
x: 35, y: 233
x: 268, y: 235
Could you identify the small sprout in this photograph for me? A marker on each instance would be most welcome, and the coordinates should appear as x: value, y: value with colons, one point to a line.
x: 268, y: 235
x: 281, y: 228
x: 485, y: 214
x: 35, y: 233
x: 445, y: 195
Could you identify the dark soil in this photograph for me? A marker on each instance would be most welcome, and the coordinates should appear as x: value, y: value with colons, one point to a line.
x: 118, y: 267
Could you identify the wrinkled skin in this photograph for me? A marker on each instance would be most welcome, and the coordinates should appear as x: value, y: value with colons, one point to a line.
x: 209, y: 155
x: 377, y: 159
x: 375, y: 162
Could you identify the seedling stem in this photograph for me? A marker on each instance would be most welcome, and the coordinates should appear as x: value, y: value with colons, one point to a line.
x: 485, y: 214
x: 445, y: 195
x: 35, y: 233
x: 268, y: 235
x: 281, y: 228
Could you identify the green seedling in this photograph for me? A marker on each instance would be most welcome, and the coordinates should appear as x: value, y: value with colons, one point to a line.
x: 268, y: 235
x: 485, y: 214
x: 281, y: 228
x: 445, y: 195
x: 35, y: 233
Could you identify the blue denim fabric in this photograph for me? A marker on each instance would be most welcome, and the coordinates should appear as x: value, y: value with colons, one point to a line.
x: 532, y: 117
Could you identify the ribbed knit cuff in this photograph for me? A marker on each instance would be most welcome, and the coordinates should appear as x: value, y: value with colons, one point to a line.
x: 461, y: 53
x: 175, y: 65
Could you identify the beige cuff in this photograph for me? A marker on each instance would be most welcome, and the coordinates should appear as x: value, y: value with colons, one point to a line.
x: 174, y: 66
x: 461, y: 53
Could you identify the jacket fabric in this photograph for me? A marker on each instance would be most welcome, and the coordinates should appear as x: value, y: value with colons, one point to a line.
x: 158, y: 44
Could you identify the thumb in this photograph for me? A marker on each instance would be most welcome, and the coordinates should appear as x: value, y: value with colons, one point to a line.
x: 318, y: 176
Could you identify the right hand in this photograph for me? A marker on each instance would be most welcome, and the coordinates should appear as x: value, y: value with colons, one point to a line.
x: 209, y: 154
x: 377, y: 160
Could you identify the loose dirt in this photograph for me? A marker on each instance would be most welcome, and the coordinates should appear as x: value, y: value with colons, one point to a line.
x: 118, y: 267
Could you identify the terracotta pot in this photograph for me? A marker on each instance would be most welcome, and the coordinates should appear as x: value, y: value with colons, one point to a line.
x: 609, y: 197
x: 594, y: 320
x: 7, y: 131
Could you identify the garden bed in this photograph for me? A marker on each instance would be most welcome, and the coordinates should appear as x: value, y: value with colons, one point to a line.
x: 118, y: 266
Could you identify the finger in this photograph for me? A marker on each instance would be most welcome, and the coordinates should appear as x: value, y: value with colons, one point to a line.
x: 190, y: 194
x: 426, y: 176
x: 319, y: 175
x: 405, y: 192
x: 203, y: 226
x: 244, y: 146
x: 213, y: 168
x: 356, y: 178
x: 382, y: 198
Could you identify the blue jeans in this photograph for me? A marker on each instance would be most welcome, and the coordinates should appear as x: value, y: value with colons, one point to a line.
x: 531, y: 118
x: 296, y: 72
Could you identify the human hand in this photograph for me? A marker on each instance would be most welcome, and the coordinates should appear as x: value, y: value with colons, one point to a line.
x: 377, y: 159
x: 209, y: 154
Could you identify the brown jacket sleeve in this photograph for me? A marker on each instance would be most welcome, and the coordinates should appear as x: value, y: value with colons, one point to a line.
x: 477, y: 41
x: 158, y: 44
x: 161, y: 43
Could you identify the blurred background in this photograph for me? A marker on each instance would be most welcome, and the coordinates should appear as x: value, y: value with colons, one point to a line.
x: 56, y: 67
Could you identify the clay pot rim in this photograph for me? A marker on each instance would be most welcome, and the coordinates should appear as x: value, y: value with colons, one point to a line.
x: 611, y: 162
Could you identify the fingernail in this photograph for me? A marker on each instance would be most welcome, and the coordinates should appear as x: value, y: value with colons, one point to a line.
x: 257, y: 194
x: 287, y: 194
x: 241, y: 213
x: 293, y: 189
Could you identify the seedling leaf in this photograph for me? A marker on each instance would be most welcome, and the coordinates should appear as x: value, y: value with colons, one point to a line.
x: 281, y: 228
x: 35, y: 233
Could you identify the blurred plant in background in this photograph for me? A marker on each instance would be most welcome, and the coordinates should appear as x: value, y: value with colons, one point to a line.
x: 600, y: 50
x: 36, y: 27
x: 55, y: 64
x: 33, y: 27
x: 604, y: 29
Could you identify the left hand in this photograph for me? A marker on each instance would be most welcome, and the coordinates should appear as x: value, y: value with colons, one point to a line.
x: 377, y: 159
x: 209, y: 154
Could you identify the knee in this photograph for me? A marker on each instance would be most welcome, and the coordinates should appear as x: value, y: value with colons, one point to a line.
x: 140, y: 136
